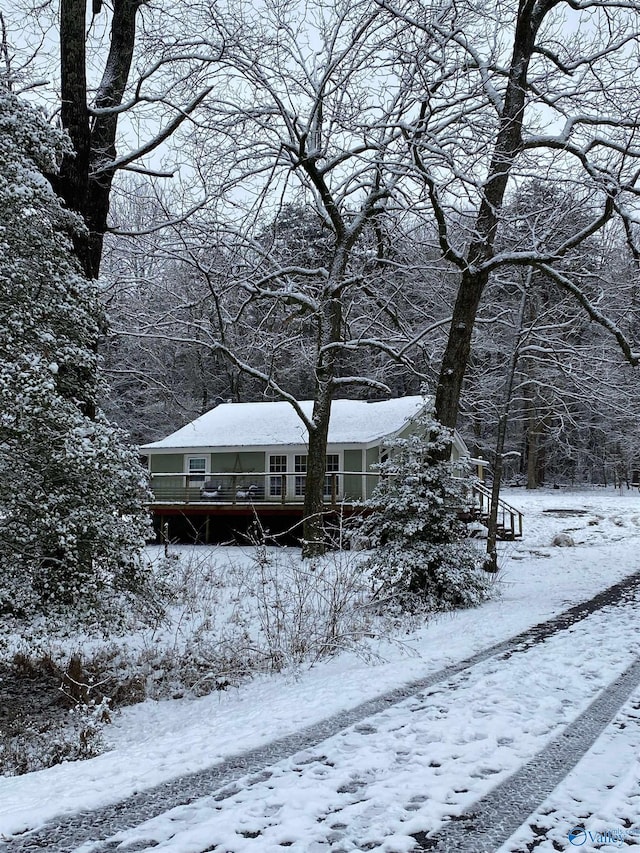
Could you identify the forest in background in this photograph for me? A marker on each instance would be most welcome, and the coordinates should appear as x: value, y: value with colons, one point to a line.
x: 289, y: 201
x: 575, y: 407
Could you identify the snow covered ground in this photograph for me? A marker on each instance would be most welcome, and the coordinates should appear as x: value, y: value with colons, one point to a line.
x: 413, y: 766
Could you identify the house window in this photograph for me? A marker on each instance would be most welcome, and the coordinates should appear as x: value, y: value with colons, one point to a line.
x: 331, y: 484
x: 300, y: 481
x: 277, y: 465
x: 197, y: 468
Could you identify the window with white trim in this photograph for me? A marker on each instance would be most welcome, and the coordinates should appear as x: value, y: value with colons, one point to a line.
x: 277, y: 465
x: 197, y: 468
x: 333, y: 465
x: 300, y: 469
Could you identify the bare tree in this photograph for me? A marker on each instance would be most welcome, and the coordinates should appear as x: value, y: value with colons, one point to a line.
x: 365, y: 115
x: 566, y: 374
x: 305, y: 108
x: 544, y: 88
x: 124, y: 79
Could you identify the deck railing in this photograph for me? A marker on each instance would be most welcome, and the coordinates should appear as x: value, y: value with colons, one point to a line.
x: 287, y: 489
x: 255, y: 487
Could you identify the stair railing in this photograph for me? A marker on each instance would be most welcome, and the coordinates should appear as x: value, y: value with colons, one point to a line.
x: 509, y: 518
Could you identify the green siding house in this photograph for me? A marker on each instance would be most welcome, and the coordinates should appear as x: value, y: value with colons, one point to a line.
x: 256, y: 453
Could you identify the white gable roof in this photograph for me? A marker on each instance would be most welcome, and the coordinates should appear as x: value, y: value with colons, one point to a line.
x: 267, y: 424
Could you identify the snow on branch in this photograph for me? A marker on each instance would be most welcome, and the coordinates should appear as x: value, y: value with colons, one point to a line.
x: 161, y: 137
x: 632, y: 356
x: 365, y: 381
x: 153, y: 229
x: 537, y: 257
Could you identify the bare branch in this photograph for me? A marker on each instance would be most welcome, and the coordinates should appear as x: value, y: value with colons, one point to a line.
x: 632, y: 355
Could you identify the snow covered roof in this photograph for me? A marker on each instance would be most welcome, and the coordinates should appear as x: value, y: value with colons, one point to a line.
x: 266, y: 424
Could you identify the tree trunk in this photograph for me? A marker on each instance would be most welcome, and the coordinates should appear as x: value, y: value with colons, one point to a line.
x: 456, y: 354
x: 314, y: 537
x: 84, y: 181
x: 474, y: 278
x: 532, y: 448
x: 330, y: 332
x: 491, y: 563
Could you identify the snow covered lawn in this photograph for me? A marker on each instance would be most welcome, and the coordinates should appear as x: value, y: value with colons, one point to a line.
x: 420, y: 760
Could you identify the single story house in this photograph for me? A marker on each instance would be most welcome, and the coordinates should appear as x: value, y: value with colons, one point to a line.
x: 257, y: 452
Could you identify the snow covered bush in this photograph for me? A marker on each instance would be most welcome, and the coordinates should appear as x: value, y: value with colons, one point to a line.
x: 420, y: 554
x: 72, y: 735
x: 72, y: 516
x: 307, y: 609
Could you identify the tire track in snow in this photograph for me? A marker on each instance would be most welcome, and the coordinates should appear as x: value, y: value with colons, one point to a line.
x: 494, y: 818
x: 69, y: 833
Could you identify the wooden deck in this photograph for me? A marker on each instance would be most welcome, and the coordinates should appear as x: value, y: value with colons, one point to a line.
x: 233, y: 511
x: 230, y: 506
